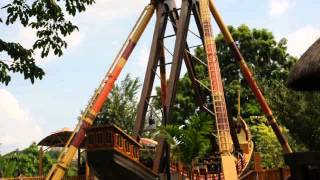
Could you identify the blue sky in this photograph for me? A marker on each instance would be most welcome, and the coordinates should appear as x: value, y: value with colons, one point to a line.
x: 29, y: 112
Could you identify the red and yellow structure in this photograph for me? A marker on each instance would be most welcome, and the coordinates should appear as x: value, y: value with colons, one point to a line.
x: 94, y: 107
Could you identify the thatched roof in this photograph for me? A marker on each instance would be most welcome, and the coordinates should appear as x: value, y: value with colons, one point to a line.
x: 305, y: 74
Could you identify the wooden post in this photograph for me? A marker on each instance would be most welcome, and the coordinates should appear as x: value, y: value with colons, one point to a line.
x: 257, y: 161
x: 40, y: 168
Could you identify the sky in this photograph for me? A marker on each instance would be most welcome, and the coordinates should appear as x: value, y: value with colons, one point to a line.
x: 29, y: 112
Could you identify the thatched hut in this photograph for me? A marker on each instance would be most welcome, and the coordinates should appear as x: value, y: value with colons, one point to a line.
x: 305, y: 74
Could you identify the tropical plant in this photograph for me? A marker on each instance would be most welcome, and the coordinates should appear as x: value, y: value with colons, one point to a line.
x: 189, y: 141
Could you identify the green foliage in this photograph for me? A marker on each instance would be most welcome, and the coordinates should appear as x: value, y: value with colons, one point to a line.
x: 189, y: 141
x: 267, y: 58
x: 7, y: 168
x: 267, y: 143
x: 73, y: 169
x: 298, y: 111
x: 260, y: 49
x: 121, y: 106
x: 25, y: 162
x: 47, y: 18
x: 23, y: 63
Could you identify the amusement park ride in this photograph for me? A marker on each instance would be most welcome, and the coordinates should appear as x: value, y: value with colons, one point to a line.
x: 110, y: 148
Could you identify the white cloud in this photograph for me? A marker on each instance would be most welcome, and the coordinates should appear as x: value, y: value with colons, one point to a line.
x: 75, y: 39
x: 27, y: 36
x: 143, y: 57
x: 18, y: 129
x: 300, y: 40
x: 279, y: 7
x: 113, y: 9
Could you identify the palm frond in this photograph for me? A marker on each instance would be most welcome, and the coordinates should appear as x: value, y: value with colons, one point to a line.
x: 189, y: 141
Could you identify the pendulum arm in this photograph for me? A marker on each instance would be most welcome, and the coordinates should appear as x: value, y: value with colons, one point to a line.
x: 220, y: 109
x: 196, y: 15
x: 250, y: 79
x: 58, y: 170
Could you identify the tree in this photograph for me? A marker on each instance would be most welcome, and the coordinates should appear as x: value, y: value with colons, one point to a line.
x: 6, y: 168
x: 267, y: 143
x: 24, y: 162
x: 267, y: 58
x: 47, y: 18
x: 121, y: 106
x: 298, y: 111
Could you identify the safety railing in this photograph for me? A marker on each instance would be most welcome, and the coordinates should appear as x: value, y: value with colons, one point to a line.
x: 112, y: 137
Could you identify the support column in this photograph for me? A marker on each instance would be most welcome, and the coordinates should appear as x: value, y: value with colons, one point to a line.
x: 159, y: 31
x: 182, y: 31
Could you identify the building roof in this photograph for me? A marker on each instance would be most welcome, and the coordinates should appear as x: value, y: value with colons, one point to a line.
x: 305, y: 74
